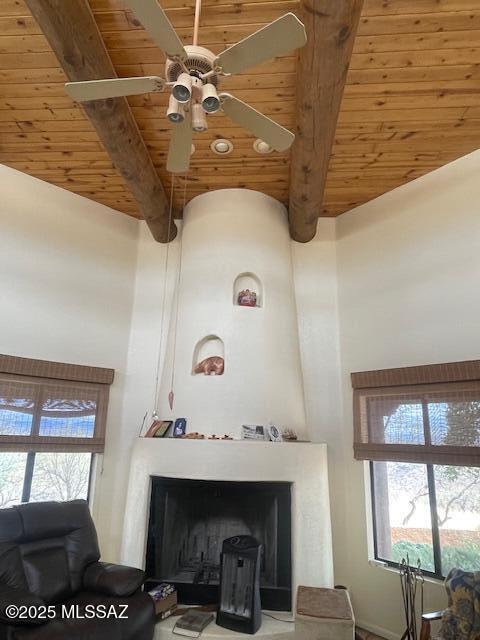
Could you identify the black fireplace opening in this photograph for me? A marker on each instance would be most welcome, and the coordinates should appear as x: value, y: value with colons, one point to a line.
x: 190, y: 519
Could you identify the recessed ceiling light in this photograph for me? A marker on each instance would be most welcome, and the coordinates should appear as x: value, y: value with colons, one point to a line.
x: 260, y: 146
x: 221, y: 147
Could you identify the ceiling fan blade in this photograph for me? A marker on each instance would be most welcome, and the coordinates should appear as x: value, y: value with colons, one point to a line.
x: 277, y: 38
x: 180, y: 148
x: 113, y: 88
x: 260, y: 125
x: 155, y: 21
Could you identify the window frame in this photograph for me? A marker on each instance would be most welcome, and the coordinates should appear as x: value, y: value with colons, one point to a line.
x: 30, y: 467
x: 435, y: 528
x: 424, y: 383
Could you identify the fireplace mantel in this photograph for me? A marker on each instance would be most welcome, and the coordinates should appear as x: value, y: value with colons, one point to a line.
x: 304, y: 464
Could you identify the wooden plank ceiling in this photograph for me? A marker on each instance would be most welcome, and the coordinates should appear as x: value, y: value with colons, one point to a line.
x: 411, y: 104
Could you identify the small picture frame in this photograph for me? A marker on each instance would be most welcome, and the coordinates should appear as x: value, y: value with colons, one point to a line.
x: 179, y: 428
x: 274, y: 433
x: 253, y: 432
x: 159, y: 429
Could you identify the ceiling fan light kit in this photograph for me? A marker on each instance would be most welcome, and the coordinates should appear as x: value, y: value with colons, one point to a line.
x: 182, y: 89
x: 193, y: 73
x: 210, y: 99
x: 199, y: 120
x: 175, y: 111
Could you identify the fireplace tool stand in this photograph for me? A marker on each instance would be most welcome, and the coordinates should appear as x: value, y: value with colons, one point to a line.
x: 410, y: 578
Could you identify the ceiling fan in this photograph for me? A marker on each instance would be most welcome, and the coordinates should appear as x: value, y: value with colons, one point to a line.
x: 193, y: 73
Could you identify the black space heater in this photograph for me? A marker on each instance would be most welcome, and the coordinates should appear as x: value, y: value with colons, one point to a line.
x: 240, y: 608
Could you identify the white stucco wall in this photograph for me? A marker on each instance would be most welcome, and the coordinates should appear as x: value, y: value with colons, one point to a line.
x: 67, y: 268
x: 408, y: 274
x: 263, y: 377
x: 226, y: 233
x: 315, y: 269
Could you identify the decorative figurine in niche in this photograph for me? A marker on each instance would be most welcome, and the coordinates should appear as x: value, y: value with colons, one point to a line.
x: 213, y: 366
x: 247, y: 298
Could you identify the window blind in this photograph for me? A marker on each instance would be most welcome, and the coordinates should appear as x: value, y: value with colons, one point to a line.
x: 48, y: 413
x: 428, y: 414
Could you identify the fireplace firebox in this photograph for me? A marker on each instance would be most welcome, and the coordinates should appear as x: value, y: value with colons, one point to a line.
x: 190, y: 519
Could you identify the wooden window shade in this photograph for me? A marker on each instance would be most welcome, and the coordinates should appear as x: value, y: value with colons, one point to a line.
x: 64, y: 409
x: 427, y: 414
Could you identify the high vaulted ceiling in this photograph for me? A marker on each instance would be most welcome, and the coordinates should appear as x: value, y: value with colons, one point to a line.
x: 411, y: 104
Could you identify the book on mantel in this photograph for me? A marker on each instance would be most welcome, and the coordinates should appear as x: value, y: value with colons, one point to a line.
x: 192, y: 623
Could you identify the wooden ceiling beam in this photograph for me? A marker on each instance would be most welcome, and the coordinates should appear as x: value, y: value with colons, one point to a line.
x: 321, y: 74
x: 72, y: 32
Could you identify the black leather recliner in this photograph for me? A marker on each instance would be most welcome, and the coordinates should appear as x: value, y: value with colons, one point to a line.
x: 49, y: 561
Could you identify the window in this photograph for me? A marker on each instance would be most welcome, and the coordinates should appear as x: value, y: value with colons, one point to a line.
x: 52, y: 422
x: 420, y: 429
x: 38, y: 476
x: 427, y: 512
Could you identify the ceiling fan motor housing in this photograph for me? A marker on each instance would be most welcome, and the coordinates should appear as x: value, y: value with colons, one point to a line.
x: 199, y: 60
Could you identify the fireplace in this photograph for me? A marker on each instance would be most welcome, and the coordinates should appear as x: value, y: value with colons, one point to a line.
x: 301, y: 468
x: 190, y: 519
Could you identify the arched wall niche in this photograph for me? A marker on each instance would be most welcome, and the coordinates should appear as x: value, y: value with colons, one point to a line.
x: 248, y: 280
x: 208, y: 347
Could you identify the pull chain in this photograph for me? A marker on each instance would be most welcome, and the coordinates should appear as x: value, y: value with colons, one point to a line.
x: 164, y: 300
x: 171, y: 395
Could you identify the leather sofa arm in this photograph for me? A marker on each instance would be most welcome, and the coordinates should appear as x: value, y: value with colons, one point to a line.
x: 18, y: 598
x: 112, y: 579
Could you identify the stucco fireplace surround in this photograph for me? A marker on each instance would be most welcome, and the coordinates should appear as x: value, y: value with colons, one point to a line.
x: 304, y: 465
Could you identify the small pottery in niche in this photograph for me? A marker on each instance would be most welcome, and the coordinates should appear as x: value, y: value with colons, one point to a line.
x: 214, y: 365
x: 247, y: 298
